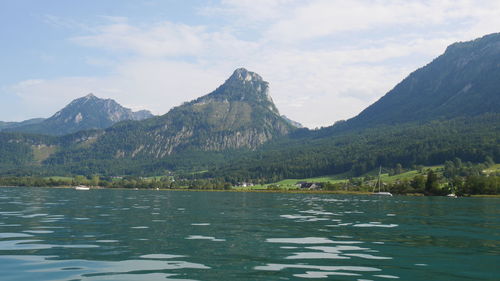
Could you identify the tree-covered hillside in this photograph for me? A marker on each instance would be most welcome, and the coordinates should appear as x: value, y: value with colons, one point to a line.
x: 308, y: 154
x: 464, y: 81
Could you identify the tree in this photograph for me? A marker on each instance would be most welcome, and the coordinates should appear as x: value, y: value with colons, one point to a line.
x: 432, y: 184
x: 94, y: 180
x: 399, y: 169
x: 449, y: 169
x: 80, y: 180
x: 418, y: 183
x: 488, y: 161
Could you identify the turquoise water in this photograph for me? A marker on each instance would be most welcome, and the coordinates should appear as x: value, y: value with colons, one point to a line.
x: 63, y: 234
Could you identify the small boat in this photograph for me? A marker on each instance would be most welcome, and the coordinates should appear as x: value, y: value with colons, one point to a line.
x: 82, y: 187
x: 379, y: 182
x: 452, y: 192
x: 384, y: 193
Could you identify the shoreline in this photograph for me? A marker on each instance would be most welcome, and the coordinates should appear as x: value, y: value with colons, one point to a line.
x: 284, y: 191
x: 213, y: 190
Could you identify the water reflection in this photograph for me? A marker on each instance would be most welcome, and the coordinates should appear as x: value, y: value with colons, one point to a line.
x: 102, y: 270
x: 344, y: 250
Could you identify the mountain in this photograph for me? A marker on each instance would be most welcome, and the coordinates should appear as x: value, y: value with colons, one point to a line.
x: 89, y: 112
x: 292, y: 122
x: 8, y: 125
x: 239, y: 115
x: 462, y: 82
x: 447, y: 109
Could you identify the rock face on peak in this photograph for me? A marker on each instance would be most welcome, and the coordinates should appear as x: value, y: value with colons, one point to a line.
x: 462, y: 82
x: 243, y: 86
x: 88, y: 112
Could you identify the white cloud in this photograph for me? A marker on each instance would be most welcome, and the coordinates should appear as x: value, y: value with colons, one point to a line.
x: 328, y: 17
x: 162, y: 39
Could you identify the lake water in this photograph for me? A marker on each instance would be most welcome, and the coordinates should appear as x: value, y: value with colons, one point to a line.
x: 64, y: 234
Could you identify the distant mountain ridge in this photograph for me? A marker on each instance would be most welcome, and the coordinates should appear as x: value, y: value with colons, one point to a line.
x: 88, y: 112
x: 8, y: 125
x: 464, y: 81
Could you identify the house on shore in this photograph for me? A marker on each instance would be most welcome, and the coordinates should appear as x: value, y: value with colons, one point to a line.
x: 310, y: 185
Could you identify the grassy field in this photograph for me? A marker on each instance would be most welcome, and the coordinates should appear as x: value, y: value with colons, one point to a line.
x: 331, y: 179
x: 493, y: 169
x: 59, y: 178
x: 409, y: 174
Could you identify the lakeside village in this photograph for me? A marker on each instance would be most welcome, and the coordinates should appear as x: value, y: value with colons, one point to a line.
x: 454, y: 177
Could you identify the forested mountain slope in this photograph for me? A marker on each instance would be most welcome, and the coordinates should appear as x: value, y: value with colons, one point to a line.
x: 462, y: 82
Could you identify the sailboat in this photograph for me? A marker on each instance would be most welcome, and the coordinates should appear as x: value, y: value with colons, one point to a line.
x: 379, y: 183
x: 452, y: 194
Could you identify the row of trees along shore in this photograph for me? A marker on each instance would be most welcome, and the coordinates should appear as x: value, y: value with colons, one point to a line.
x: 455, y: 177
x: 116, y: 182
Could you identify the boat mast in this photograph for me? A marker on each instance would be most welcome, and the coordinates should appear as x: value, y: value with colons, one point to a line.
x: 378, y: 181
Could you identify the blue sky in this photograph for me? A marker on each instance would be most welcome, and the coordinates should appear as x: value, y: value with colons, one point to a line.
x: 325, y: 60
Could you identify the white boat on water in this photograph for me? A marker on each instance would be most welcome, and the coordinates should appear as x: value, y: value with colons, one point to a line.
x: 383, y: 193
x: 452, y: 192
x: 82, y: 187
x: 379, y: 183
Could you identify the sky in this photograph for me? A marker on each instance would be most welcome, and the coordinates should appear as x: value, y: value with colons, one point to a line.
x: 325, y: 60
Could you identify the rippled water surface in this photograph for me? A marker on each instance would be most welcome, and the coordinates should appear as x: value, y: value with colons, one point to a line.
x: 64, y: 234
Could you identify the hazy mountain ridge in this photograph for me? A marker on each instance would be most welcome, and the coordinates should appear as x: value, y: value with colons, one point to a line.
x: 8, y: 125
x: 89, y: 112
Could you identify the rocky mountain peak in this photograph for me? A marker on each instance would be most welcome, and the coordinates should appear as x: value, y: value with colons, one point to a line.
x: 244, y: 86
x: 243, y: 75
x: 88, y: 112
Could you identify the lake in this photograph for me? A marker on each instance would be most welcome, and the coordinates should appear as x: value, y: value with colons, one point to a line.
x: 64, y: 234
